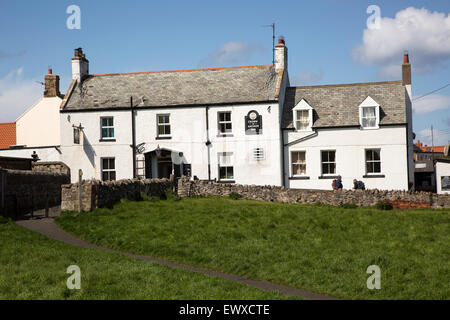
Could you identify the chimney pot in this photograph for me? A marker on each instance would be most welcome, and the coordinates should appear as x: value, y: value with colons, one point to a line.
x: 51, y: 85
x: 406, y: 58
x: 281, y: 57
x: 406, y: 70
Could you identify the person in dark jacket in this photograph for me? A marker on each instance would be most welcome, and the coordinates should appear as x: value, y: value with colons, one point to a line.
x: 358, y: 185
x: 337, y: 183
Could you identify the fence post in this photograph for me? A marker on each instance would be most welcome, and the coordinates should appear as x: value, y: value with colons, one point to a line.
x: 32, y: 202
x: 80, y: 190
x: 46, y: 205
x: 2, y: 190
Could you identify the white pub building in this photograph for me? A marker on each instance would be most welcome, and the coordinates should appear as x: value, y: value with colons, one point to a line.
x: 241, y: 125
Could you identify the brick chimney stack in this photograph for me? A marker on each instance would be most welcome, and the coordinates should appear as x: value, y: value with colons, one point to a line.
x: 80, y: 65
x: 281, y: 60
x: 406, y: 70
x: 51, y: 85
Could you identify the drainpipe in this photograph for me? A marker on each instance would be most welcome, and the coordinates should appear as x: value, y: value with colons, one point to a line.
x: 283, y: 182
x: 133, y: 133
x: 208, y: 143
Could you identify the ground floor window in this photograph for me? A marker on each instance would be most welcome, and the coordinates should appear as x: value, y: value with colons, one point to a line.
x: 108, y: 169
x: 373, y: 161
x: 298, y: 160
x: 226, y: 169
x: 328, y: 162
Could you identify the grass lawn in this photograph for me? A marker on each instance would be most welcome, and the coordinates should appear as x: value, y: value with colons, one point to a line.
x: 33, y: 266
x: 319, y: 248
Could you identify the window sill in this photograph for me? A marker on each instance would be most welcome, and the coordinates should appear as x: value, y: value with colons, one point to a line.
x: 107, y: 140
x: 226, y: 181
x: 163, y: 138
x: 329, y: 177
x: 374, y: 176
x: 220, y: 135
x: 370, y: 128
x: 299, y: 178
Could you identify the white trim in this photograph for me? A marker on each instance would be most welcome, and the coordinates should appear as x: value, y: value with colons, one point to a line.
x: 369, y: 103
x: 303, y: 106
x: 163, y: 124
x: 291, y: 163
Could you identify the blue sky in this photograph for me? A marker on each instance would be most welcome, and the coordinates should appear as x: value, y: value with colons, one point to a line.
x: 328, y: 43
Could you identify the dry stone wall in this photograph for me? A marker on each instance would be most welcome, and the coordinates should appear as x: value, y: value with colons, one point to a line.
x: 399, y: 199
x: 97, y: 194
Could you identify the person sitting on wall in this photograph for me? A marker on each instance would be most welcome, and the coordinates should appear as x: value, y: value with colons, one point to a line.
x: 337, y: 183
x: 358, y: 185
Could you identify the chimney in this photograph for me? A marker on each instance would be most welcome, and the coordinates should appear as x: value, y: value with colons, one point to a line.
x: 281, y: 61
x: 80, y: 65
x: 51, y: 85
x: 406, y: 70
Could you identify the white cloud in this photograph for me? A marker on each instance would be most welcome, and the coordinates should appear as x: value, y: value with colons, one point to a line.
x: 440, y: 137
x: 425, y: 34
x: 231, y: 53
x: 17, y: 95
x: 431, y: 103
x: 307, y: 77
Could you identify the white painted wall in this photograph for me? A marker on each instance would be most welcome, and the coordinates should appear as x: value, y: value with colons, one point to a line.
x: 188, y: 135
x: 45, y: 154
x: 442, y: 169
x: 350, y: 145
x: 39, y: 125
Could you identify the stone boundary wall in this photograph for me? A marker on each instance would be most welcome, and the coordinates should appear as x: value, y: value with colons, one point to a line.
x: 98, y: 194
x: 54, y: 167
x: 399, y: 199
x: 21, y: 191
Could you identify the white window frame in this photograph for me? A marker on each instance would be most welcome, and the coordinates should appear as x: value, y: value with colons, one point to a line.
x: 369, y: 103
x: 164, y: 125
x: 227, y: 165
x: 303, y: 106
x: 219, y: 122
x: 292, y: 164
x: 107, y: 127
x: 108, y: 170
x: 322, y: 162
x: 373, y: 161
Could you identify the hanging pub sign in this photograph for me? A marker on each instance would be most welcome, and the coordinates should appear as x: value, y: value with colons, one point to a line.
x: 253, y: 123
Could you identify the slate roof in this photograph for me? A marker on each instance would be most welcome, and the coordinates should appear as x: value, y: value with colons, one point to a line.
x: 172, y: 88
x: 338, y: 105
x: 7, y: 135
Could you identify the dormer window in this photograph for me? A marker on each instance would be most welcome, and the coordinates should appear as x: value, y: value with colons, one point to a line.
x: 369, y: 114
x: 303, y: 116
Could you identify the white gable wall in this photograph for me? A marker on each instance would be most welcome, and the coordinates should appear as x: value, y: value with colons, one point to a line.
x: 350, y: 145
x: 39, y: 125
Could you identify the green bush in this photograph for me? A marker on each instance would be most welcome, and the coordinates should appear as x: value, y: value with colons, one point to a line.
x: 145, y: 197
x: 235, y: 196
x: 3, y: 220
x: 348, y: 206
x: 384, y: 205
x: 171, y: 195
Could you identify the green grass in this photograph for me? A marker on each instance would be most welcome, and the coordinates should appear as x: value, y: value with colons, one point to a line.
x: 34, y: 267
x: 319, y: 248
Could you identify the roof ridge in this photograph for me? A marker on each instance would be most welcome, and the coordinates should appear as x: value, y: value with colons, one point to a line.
x: 7, y: 123
x: 183, y: 70
x: 347, y: 84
